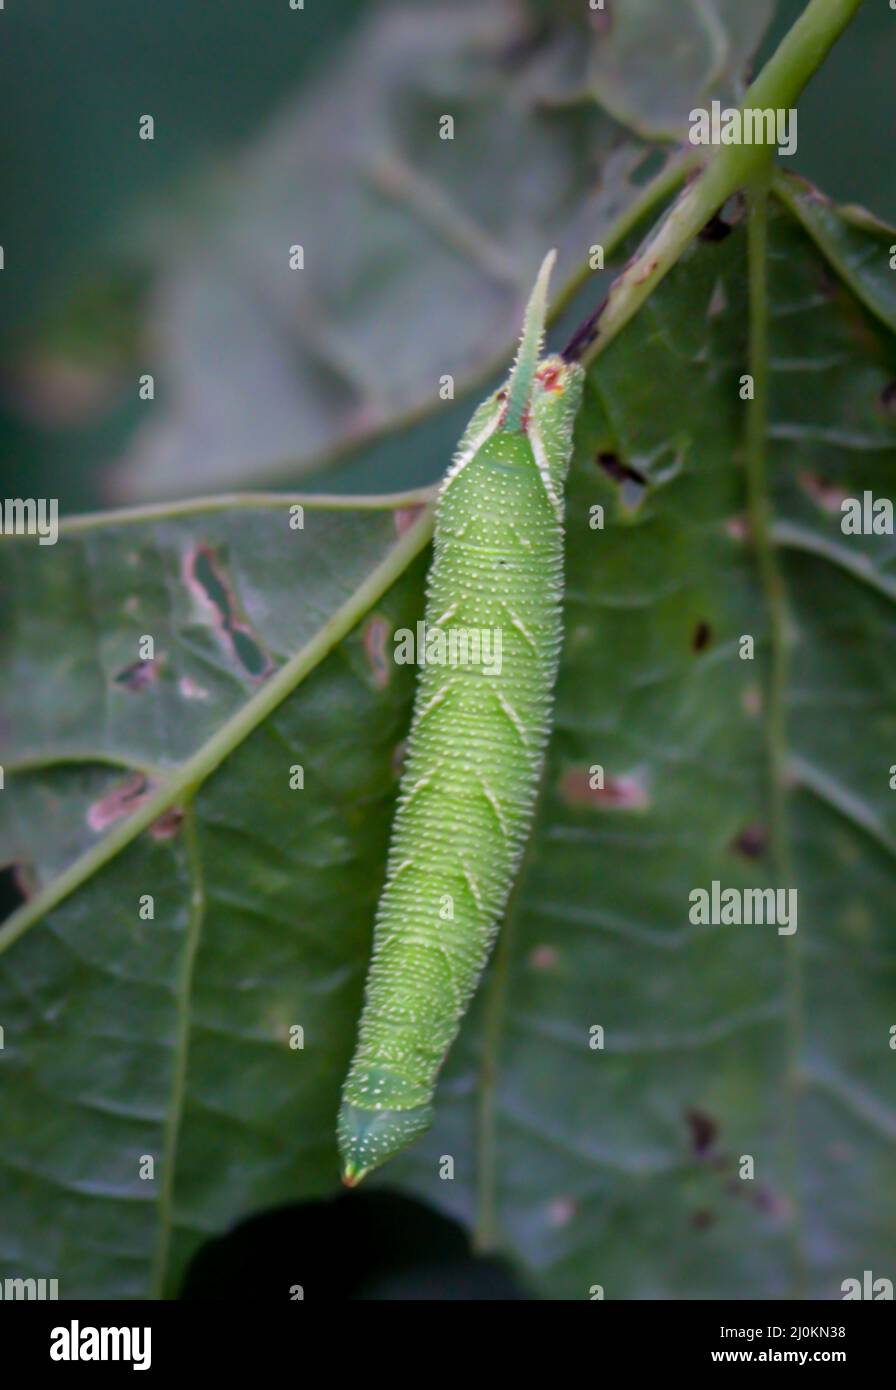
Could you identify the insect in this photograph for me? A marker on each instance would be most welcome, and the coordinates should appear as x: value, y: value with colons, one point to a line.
x: 481, y: 720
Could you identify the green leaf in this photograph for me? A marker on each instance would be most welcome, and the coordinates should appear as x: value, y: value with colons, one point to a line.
x: 651, y: 64
x: 856, y: 242
x: 127, y: 1035
x: 419, y: 251
x: 619, y: 1166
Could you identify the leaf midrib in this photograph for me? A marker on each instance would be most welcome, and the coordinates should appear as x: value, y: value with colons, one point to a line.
x: 175, y: 1111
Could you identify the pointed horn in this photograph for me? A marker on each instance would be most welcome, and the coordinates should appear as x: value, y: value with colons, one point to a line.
x: 520, y: 386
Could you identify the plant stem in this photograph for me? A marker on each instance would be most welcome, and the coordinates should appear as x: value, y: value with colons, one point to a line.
x: 244, y: 501
x: 659, y: 189
x: 778, y: 86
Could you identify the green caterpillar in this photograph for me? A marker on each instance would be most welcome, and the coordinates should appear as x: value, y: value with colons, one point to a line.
x: 476, y: 744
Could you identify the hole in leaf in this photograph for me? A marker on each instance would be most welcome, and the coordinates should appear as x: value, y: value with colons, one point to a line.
x: 633, y: 483
x: 12, y: 889
x: 716, y: 229
x: 888, y: 398
x: 248, y: 651
x: 655, y: 160
x: 205, y: 577
x: 205, y: 574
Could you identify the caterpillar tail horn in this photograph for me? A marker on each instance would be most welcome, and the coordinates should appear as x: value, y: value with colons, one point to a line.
x: 519, y: 388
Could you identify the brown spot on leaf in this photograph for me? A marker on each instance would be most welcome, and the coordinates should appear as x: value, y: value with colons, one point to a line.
x: 805, y: 186
x: 646, y: 271
x: 543, y: 958
x: 623, y: 793
x: 118, y: 803
x: 752, y: 841
x: 138, y: 675
x: 888, y: 399
x: 168, y: 824
x: 824, y: 494
x: 191, y: 690
x: 702, y: 1219
x: 561, y: 1211
x: 703, y: 1131
x: 702, y: 636
x: 376, y: 636
x: 405, y: 517
x: 826, y: 280
x: 765, y: 1200
x: 718, y: 301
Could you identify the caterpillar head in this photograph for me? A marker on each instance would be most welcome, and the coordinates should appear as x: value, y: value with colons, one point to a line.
x: 555, y: 400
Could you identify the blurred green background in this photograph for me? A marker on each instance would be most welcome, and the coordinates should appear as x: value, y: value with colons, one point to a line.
x: 74, y: 78
x: 78, y: 184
